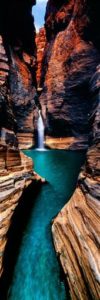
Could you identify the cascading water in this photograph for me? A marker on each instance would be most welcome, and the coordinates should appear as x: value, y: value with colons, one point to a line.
x: 40, y: 128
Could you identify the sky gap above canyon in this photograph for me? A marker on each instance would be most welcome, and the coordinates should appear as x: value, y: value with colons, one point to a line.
x: 38, y: 12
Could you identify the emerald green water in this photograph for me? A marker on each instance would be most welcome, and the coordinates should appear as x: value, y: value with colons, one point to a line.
x: 37, y: 271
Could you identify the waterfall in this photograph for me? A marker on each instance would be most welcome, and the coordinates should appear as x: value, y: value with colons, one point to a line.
x: 40, y: 128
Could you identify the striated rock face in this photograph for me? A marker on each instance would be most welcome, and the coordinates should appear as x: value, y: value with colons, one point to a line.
x: 40, y: 43
x: 17, y: 109
x: 21, y: 52
x: 69, y: 74
x: 76, y: 230
x: 15, y: 168
x: 23, y: 100
x: 70, y: 60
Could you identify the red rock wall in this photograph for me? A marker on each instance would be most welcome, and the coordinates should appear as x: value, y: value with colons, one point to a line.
x: 70, y: 61
x: 40, y: 43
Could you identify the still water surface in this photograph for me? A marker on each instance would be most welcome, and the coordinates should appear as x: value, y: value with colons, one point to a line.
x: 37, y: 272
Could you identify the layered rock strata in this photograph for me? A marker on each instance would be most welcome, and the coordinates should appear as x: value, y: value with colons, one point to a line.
x: 17, y: 28
x: 17, y: 109
x: 23, y: 100
x: 15, y: 168
x: 76, y: 229
x: 70, y: 60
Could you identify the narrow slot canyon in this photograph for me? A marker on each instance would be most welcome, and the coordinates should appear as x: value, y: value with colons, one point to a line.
x: 49, y: 150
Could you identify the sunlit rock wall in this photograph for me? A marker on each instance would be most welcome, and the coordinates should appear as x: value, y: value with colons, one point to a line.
x: 70, y: 60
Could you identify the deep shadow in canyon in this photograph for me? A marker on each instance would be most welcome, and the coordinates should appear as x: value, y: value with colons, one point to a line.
x: 18, y: 226
x: 14, y: 15
x: 19, y: 222
x: 22, y: 216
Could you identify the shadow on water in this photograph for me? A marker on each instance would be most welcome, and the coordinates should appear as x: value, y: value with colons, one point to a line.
x: 14, y: 236
x: 31, y: 269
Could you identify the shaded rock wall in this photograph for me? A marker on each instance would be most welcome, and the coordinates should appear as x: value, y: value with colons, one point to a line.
x: 15, y: 168
x: 17, y: 108
x: 76, y: 229
x: 70, y: 60
x: 18, y: 31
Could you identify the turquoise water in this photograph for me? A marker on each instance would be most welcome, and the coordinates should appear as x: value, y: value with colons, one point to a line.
x: 37, y: 271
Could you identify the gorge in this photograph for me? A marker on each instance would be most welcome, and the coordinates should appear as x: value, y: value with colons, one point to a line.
x: 50, y: 89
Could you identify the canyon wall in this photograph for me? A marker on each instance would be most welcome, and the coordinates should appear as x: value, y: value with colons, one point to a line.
x: 70, y: 96
x: 70, y: 60
x: 40, y: 44
x: 15, y: 168
x: 17, y: 108
x: 17, y: 27
x: 68, y: 78
x: 76, y: 229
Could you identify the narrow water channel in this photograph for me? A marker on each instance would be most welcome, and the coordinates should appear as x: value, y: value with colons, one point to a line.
x: 37, y: 271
